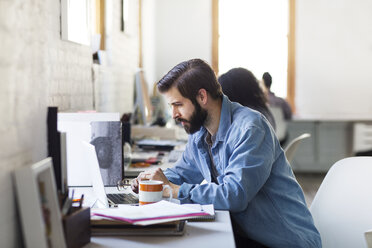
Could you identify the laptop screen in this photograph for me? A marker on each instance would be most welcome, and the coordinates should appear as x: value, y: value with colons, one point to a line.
x: 106, y: 138
x: 95, y: 175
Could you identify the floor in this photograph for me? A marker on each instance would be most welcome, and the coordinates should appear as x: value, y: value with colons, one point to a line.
x: 310, y: 183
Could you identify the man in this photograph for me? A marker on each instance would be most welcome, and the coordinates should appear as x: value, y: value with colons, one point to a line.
x: 274, y: 100
x: 235, y: 149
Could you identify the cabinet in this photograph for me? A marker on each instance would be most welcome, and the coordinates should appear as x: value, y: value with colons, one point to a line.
x: 330, y: 141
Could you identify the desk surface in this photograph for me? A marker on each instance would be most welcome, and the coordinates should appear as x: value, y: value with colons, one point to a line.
x: 201, y: 234
x: 214, y: 234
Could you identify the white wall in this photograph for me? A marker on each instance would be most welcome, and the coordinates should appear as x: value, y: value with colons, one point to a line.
x: 333, y: 50
x: 114, y: 82
x: 149, y: 40
x: 38, y: 69
x: 180, y: 30
x: 334, y: 59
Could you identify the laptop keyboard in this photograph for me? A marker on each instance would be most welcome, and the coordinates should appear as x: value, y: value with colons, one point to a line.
x: 122, y: 198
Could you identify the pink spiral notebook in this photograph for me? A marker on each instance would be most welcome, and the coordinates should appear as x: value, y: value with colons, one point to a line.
x: 155, y: 213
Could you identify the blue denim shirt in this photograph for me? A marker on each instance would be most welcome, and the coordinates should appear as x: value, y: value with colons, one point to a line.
x: 255, y: 181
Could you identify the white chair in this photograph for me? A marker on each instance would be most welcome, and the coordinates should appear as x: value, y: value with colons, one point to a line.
x: 291, y: 148
x: 342, y: 207
x: 368, y: 237
x: 281, y: 123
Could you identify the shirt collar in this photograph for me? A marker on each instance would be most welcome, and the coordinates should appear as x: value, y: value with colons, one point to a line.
x: 225, y: 119
x: 225, y: 122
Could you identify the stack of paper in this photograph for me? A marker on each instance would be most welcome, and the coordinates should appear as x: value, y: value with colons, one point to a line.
x: 155, y: 213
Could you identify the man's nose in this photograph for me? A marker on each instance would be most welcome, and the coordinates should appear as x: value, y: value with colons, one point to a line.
x: 176, y: 114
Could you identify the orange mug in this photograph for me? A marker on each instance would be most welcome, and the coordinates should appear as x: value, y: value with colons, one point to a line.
x: 151, y: 191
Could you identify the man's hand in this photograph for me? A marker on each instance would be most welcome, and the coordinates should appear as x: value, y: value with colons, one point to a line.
x: 156, y: 174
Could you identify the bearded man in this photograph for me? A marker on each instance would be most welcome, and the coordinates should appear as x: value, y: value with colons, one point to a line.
x: 235, y: 150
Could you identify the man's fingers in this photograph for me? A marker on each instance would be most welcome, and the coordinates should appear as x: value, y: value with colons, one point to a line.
x: 134, y: 185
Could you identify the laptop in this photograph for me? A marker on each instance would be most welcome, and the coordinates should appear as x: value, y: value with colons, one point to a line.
x: 103, y: 200
x: 93, y: 128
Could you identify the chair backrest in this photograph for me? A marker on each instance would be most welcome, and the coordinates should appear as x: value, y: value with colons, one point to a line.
x: 291, y: 148
x: 281, y: 123
x: 342, y: 207
x: 362, y: 137
x: 368, y: 236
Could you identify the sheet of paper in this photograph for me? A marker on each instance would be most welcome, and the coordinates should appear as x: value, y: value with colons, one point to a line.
x: 209, y: 209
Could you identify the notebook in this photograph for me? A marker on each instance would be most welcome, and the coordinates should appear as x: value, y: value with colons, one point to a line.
x: 103, y: 200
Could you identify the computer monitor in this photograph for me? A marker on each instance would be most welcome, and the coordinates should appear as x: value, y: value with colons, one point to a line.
x: 142, y: 102
x: 55, y: 148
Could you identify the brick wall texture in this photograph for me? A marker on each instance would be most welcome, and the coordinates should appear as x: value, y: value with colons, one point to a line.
x: 38, y: 69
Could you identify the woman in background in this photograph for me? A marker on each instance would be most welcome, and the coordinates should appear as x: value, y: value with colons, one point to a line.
x: 241, y: 86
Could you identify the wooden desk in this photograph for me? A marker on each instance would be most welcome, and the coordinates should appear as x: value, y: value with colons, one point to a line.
x: 198, y: 234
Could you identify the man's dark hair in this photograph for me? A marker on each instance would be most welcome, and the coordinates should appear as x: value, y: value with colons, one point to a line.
x: 241, y: 86
x: 267, y: 79
x: 189, y: 77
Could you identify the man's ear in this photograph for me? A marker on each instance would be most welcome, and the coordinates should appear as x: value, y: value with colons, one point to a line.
x: 202, y: 97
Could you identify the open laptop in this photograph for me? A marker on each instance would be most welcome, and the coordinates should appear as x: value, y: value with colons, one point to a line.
x: 96, y: 128
x: 103, y: 200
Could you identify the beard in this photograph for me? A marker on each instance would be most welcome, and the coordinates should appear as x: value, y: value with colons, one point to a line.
x: 196, y: 121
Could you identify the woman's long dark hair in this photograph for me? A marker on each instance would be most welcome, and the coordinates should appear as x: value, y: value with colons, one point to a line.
x: 241, y: 86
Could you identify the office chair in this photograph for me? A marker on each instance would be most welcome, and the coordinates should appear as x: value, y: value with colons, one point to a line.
x: 293, y: 145
x: 368, y: 237
x: 281, y: 123
x: 342, y: 207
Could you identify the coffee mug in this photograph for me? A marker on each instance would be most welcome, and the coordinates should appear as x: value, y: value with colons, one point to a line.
x: 152, y: 191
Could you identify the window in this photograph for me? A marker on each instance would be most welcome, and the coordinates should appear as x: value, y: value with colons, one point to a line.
x: 254, y: 34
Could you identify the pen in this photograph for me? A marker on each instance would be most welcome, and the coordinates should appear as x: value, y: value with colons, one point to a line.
x: 81, y: 201
x: 72, y: 194
x: 70, y: 202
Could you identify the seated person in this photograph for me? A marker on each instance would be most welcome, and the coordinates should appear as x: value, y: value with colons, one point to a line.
x: 274, y: 100
x: 240, y: 85
x: 278, y: 102
x: 236, y: 151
